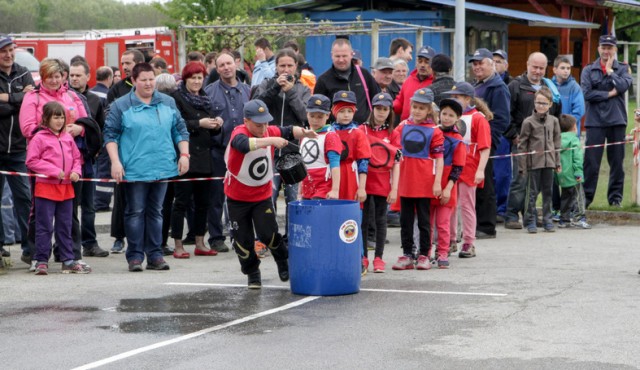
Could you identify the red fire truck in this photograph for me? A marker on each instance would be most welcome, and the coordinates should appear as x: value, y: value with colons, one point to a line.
x: 102, y: 47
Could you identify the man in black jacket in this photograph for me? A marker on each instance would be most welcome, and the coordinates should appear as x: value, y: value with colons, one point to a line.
x: 286, y: 97
x: 343, y: 75
x: 15, y: 81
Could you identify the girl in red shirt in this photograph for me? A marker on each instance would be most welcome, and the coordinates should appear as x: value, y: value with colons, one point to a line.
x: 382, y: 177
x: 477, y: 136
x: 455, y: 153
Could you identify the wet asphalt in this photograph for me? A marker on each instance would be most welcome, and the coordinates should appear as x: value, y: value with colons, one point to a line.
x: 564, y: 300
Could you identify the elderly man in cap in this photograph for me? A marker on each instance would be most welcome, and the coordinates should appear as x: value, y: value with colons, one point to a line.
x: 248, y: 188
x: 15, y: 82
x: 489, y: 87
x: 420, y: 78
x: 501, y: 61
x: 383, y: 74
x: 604, y: 83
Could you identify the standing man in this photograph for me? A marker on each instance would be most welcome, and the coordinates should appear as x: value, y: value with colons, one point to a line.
x: 287, y: 98
x: 343, y: 75
x: 490, y: 87
x: 15, y: 82
x: 228, y: 96
x: 401, y: 48
x: 128, y: 60
x: 604, y: 83
x: 502, y: 166
x: 420, y: 78
x: 104, y: 80
x: 383, y: 74
x: 522, y: 90
x: 501, y: 61
x: 265, y: 66
x: 79, y: 75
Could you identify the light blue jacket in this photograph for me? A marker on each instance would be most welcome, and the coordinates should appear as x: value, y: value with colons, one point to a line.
x: 263, y: 70
x: 147, y: 135
x: 572, y: 98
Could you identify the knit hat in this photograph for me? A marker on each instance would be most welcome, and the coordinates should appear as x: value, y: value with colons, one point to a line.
x: 441, y: 63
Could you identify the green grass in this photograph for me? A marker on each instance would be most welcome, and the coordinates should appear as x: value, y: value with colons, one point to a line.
x: 600, y: 201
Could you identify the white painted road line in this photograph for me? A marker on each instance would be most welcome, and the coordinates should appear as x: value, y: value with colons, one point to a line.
x: 362, y: 290
x: 212, y: 329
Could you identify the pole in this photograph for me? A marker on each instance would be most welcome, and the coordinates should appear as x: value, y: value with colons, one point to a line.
x: 459, y: 58
x: 375, y: 28
x: 182, y: 48
x: 625, y: 53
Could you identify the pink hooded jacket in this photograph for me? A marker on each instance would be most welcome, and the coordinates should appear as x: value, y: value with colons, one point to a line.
x: 33, y: 101
x: 48, y: 154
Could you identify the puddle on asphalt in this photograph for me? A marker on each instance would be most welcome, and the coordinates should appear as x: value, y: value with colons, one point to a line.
x: 48, y: 309
x: 188, y: 312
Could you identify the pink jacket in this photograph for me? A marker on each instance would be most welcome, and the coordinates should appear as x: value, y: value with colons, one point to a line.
x: 48, y: 154
x: 33, y: 101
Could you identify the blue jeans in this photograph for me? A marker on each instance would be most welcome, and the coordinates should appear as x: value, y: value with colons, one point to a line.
x: 143, y: 219
x: 21, y: 191
x: 9, y: 233
x: 502, y: 175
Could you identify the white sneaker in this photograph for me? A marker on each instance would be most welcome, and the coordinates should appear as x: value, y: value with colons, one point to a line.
x: 32, y: 268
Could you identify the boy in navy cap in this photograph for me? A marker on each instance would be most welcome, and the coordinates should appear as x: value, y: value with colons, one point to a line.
x: 321, y: 155
x: 247, y: 186
x: 421, y: 167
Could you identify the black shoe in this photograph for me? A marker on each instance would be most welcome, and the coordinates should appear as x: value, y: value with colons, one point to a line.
x: 166, y: 250
x: 616, y: 204
x: 189, y: 240
x: 283, y: 270
x: 255, y: 282
x: 94, y: 251
x: 4, y: 252
x: 220, y: 246
x: 26, y: 259
x: 157, y: 265
x: 483, y: 235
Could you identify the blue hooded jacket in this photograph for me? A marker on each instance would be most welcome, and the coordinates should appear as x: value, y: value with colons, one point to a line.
x: 572, y: 98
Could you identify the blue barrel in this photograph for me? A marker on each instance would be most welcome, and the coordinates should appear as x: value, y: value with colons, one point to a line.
x: 325, y: 247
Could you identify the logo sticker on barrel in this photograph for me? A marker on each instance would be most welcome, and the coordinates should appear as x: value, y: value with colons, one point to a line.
x: 349, y: 231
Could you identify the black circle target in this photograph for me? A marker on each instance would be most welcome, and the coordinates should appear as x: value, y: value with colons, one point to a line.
x: 259, y: 168
x: 310, y: 151
x: 381, y: 151
x: 345, y: 151
x: 415, y: 141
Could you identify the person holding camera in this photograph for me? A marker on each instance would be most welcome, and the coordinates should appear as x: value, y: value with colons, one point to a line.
x: 286, y: 97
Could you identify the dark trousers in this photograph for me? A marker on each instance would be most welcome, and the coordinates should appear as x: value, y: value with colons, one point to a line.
x: 261, y: 217
x: 593, y: 159
x: 517, y: 191
x: 185, y: 192
x: 117, y: 215
x: 409, y: 207
x: 502, y: 175
x: 104, y: 190
x: 167, y: 209
x: 375, y: 211
x: 21, y: 192
x: 45, y: 212
x: 216, y: 192
x: 572, y: 203
x: 540, y: 181
x: 486, y: 201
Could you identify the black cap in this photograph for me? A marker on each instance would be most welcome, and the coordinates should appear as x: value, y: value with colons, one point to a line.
x: 383, y: 99
x: 257, y: 111
x: 441, y: 63
x: 423, y: 96
x: 5, y: 40
x: 501, y: 53
x: 481, y: 54
x: 462, y: 88
x: 453, y: 104
x: 608, y: 40
x: 426, y: 52
x: 319, y: 103
x: 345, y: 96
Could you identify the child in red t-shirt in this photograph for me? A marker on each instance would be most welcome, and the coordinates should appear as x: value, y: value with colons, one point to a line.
x: 475, y: 115
x: 382, y: 177
x: 320, y: 155
x: 53, y: 152
x: 455, y: 153
x: 421, y: 166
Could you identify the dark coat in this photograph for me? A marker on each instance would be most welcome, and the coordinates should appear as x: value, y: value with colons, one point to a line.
x: 11, y: 139
x: 602, y: 111
x: 496, y: 94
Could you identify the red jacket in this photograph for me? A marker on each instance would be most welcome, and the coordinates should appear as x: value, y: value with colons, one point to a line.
x: 402, y: 104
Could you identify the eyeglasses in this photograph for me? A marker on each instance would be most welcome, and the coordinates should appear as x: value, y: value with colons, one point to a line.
x: 541, y: 103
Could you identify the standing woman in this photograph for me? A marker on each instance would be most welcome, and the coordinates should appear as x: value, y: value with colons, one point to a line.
x: 141, y: 133
x: 195, y: 107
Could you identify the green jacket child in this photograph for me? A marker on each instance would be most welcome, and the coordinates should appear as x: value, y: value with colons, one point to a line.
x: 571, y: 157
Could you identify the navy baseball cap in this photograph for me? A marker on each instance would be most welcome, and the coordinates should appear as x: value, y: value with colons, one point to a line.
x: 357, y: 54
x: 608, y: 40
x: 345, y: 96
x: 501, y: 53
x: 257, y: 111
x: 481, y: 54
x: 426, y: 52
x: 383, y: 99
x: 462, y: 88
x: 423, y: 96
x: 319, y: 103
x: 453, y: 104
x: 5, y: 40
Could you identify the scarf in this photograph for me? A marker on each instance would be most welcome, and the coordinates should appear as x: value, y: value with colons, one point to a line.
x: 199, y: 102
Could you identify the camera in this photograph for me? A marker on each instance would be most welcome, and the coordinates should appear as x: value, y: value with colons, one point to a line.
x: 290, y: 79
